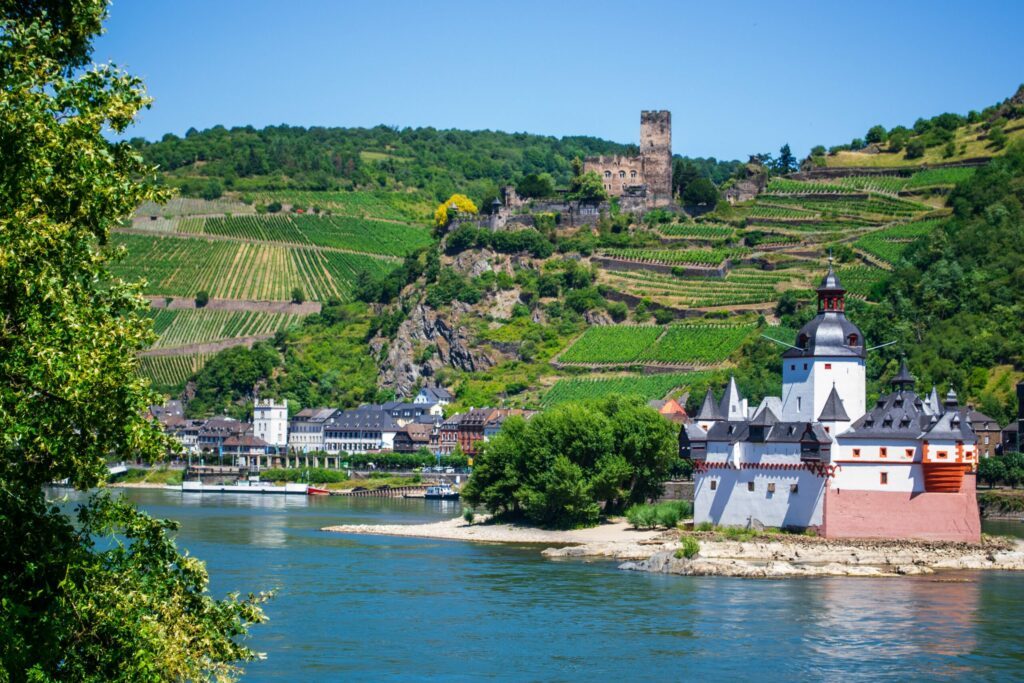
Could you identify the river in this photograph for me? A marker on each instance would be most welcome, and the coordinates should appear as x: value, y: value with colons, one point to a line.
x: 361, y: 607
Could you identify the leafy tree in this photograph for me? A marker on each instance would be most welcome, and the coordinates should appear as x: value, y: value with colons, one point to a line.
x: 701, y: 192
x: 202, y: 298
x: 297, y: 296
x: 71, y: 607
x: 876, y: 134
x: 818, y: 151
x: 587, y: 187
x: 997, y: 137
x: 684, y: 172
x: 559, y: 468
x: 992, y: 470
x: 536, y: 185
x: 462, y: 203
x: 786, y: 163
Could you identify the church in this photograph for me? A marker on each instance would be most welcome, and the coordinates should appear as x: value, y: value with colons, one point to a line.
x: 819, y: 457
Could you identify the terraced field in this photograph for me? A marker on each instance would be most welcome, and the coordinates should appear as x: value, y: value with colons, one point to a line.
x: 697, y: 231
x: 890, y: 243
x: 184, y: 327
x: 399, y: 206
x: 187, y: 206
x: 860, y: 281
x: 693, y: 257
x: 673, y: 344
x: 239, y: 270
x: 169, y: 373
x: 649, y: 387
x: 740, y: 286
x: 875, y: 206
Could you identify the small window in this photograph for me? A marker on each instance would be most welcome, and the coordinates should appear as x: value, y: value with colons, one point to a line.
x: 792, y: 367
x: 827, y: 430
x: 856, y: 452
x: 943, y: 454
x: 910, y: 452
x: 607, y: 174
x: 805, y: 366
x: 771, y: 487
x: 622, y: 174
x: 853, y: 340
x: 883, y: 452
x: 828, y: 366
x: 714, y: 485
x: 632, y: 174
x: 750, y: 486
x: 794, y: 488
x: 883, y: 478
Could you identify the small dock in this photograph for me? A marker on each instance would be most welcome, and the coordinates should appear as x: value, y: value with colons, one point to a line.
x: 384, y: 492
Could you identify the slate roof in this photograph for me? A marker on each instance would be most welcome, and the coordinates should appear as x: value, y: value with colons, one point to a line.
x: 314, y: 414
x: 833, y: 410
x: 436, y: 394
x: 709, y: 409
x: 779, y: 432
x: 828, y: 333
x: 731, y: 405
x: 981, y: 421
x: 904, y: 415
x: 362, y: 418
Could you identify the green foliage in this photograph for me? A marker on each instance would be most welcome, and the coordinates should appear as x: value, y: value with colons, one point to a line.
x: 312, y: 475
x: 650, y: 515
x: 536, y: 185
x: 468, y: 515
x: 558, y: 468
x: 683, y: 343
x: 876, y: 134
x: 689, y: 548
x: 700, y: 192
x: 525, y: 240
x: 108, y: 597
x: 915, y: 149
x: 587, y: 187
x: 202, y: 298
x: 230, y: 376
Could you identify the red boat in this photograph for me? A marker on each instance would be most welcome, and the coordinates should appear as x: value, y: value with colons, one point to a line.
x: 314, y: 491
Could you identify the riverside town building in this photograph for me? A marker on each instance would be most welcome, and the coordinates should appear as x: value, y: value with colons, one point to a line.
x: 819, y: 457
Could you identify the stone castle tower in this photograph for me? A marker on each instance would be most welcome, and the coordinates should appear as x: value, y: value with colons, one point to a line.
x: 651, y: 170
x: 656, y: 153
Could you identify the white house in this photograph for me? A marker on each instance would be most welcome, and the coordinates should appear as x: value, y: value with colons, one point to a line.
x: 360, y: 430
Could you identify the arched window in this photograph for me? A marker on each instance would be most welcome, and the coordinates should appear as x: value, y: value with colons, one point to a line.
x: 607, y: 174
x: 622, y: 174
x: 853, y: 340
x: 632, y: 174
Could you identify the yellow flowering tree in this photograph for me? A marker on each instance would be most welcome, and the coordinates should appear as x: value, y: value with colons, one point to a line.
x: 463, y: 203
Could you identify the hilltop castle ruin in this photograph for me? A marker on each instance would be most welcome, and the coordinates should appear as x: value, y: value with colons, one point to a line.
x: 646, y: 178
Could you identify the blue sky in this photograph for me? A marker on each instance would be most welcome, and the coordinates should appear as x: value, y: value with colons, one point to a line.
x: 739, y: 77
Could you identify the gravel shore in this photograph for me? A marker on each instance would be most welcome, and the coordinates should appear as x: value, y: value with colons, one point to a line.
x: 761, y: 557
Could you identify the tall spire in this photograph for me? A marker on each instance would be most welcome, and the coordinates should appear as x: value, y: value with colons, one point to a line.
x: 731, y: 406
x: 903, y: 380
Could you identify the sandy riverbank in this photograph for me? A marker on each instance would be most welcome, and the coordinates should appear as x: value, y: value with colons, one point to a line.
x: 761, y: 557
x: 141, y: 485
x: 614, y: 539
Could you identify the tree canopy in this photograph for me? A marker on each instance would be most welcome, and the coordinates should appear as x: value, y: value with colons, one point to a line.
x: 559, y: 468
x: 70, y: 397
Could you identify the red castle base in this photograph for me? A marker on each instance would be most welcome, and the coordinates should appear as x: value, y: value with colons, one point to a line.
x: 922, y: 516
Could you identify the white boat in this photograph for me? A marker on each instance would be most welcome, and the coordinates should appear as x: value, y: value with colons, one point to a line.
x: 442, y: 492
x: 253, y: 485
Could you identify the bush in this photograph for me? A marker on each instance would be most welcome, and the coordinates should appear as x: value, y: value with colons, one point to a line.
x: 650, y: 515
x: 273, y: 207
x: 313, y: 475
x: 202, y: 298
x: 915, y: 149
x: 618, y: 311
x: 297, y: 296
x: 468, y: 515
x: 689, y: 549
x: 663, y: 316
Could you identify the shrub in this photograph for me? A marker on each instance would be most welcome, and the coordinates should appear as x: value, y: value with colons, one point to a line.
x: 468, y: 515
x: 915, y: 149
x: 667, y: 514
x: 313, y: 475
x: 642, y: 516
x: 202, y: 298
x: 297, y: 296
x: 704, y: 526
x: 663, y: 316
x: 690, y: 547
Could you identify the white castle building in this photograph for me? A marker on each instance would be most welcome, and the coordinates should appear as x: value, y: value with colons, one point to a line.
x: 818, y: 457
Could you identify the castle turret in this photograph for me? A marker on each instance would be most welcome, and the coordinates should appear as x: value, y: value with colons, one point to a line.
x: 656, y: 155
x: 829, y: 354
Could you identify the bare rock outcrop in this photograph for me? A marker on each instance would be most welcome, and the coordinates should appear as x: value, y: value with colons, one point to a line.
x: 753, y: 183
x: 405, y: 363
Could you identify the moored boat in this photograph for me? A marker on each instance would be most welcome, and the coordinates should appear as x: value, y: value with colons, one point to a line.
x: 317, y: 491
x: 441, y: 492
x: 245, y: 486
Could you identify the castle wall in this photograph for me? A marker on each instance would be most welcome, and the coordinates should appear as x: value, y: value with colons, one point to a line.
x: 616, y: 172
x: 850, y: 513
x: 731, y: 503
